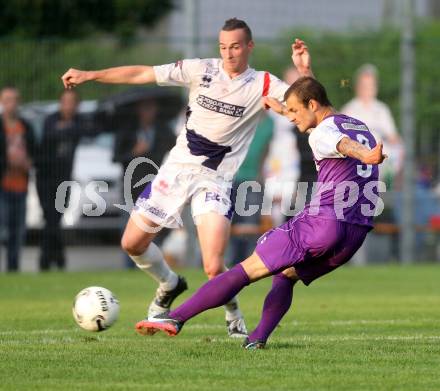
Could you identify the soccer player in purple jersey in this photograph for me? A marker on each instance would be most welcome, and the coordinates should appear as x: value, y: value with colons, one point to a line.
x: 324, y: 236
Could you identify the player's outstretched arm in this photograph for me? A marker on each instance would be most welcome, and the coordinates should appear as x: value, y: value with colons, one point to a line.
x: 275, y: 105
x: 351, y: 148
x: 132, y: 74
x: 301, y: 58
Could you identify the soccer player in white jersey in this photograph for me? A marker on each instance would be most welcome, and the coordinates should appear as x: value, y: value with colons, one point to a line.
x: 225, y: 105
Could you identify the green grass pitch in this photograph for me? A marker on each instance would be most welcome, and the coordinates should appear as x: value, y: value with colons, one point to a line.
x: 372, y: 328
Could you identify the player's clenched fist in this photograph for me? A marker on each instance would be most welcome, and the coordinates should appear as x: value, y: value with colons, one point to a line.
x: 375, y: 155
x: 73, y: 77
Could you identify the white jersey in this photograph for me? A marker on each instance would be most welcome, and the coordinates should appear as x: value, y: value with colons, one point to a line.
x: 222, y: 113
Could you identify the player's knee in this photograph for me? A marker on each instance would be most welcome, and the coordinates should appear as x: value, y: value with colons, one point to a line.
x: 291, y: 274
x: 132, y: 247
x: 213, y: 269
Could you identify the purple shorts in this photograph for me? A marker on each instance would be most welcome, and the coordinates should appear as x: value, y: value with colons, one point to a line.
x: 313, y: 245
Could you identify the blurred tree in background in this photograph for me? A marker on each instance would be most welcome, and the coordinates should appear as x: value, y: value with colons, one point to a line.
x: 77, y: 18
x: 41, y: 39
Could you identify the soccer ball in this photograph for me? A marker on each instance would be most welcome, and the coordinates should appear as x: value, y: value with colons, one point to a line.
x: 95, y: 308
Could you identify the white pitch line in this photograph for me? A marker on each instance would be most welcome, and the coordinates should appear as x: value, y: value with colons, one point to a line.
x: 202, y: 326
x: 299, y: 339
x: 313, y: 339
x: 334, y: 323
x: 307, y: 338
x: 37, y: 332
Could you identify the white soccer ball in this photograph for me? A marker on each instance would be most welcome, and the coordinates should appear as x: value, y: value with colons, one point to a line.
x: 95, y: 308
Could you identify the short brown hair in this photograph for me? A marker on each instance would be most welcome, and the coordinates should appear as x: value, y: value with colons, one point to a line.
x: 306, y: 89
x: 235, y: 24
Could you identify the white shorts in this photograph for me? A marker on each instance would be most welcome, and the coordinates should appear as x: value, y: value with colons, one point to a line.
x: 175, y: 185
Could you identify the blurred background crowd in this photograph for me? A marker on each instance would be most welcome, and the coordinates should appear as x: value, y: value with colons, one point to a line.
x: 371, y: 57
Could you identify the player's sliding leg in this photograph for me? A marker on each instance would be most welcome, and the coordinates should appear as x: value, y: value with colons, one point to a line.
x: 213, y: 231
x: 276, y: 304
x: 216, y: 292
x: 137, y: 242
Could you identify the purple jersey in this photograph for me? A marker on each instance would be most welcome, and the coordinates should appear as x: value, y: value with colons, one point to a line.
x: 347, y: 189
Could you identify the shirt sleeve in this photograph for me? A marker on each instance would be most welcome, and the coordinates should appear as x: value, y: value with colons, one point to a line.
x: 180, y: 73
x: 323, y: 141
x: 277, y: 88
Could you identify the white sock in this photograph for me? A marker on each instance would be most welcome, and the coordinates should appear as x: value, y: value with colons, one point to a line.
x: 153, y: 263
x: 232, y: 310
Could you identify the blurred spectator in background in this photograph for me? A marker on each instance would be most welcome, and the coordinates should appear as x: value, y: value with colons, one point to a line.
x: 377, y: 116
x: 282, y: 165
x: 17, y: 148
x: 245, y: 230
x: 62, y: 131
x: 426, y: 203
x: 151, y: 139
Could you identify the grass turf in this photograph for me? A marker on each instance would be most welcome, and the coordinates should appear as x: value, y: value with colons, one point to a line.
x: 373, y: 328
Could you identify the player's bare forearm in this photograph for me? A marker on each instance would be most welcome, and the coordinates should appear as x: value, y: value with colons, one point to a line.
x: 306, y: 72
x: 132, y: 74
x: 275, y: 105
x: 351, y: 148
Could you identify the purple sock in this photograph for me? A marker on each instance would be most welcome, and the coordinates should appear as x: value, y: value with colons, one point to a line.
x: 276, y: 304
x: 214, y: 293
